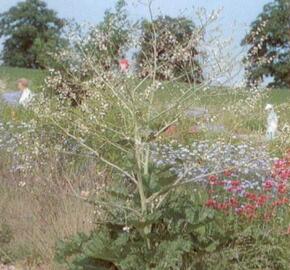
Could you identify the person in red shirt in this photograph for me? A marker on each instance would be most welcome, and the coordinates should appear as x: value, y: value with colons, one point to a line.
x: 124, y: 65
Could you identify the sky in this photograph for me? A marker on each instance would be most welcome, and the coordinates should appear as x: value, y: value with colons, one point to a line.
x: 235, y: 17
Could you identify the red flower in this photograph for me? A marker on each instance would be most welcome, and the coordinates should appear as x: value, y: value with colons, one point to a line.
x: 282, y: 188
x: 235, y: 183
x: 213, y: 178
x: 280, y: 163
x: 249, y: 210
x: 251, y: 196
x: 234, y: 202
x: 211, y: 203
x: 228, y: 173
x: 280, y: 202
x: 261, y: 200
x: 234, y: 189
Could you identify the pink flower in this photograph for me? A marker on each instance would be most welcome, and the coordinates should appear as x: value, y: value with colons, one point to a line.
x: 284, y: 174
x: 280, y: 163
x: 268, y: 184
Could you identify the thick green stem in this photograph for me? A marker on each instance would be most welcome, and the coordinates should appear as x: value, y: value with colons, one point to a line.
x: 138, y: 157
x: 146, y: 161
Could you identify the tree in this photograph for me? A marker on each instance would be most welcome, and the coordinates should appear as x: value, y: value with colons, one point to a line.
x: 269, y: 41
x: 115, y: 29
x: 102, y: 44
x: 175, y: 54
x: 31, y: 30
x: 107, y: 41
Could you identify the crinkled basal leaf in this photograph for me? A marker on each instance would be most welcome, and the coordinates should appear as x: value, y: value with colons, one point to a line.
x: 103, y: 247
x: 171, y: 253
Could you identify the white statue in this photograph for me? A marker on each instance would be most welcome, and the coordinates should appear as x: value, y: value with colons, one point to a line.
x: 272, y: 122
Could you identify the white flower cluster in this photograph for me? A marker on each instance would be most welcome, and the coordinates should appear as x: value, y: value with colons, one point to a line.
x: 248, y: 163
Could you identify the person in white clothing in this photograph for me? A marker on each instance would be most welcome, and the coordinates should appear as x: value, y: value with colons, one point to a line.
x: 272, y: 122
x: 26, y: 96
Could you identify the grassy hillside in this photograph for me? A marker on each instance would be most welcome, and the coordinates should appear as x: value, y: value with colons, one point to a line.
x: 213, y: 101
x: 9, y: 76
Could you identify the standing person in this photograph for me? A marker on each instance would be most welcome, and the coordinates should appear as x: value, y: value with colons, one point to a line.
x: 26, y: 94
x: 124, y: 65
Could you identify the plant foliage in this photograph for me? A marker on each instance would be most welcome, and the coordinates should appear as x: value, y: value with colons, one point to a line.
x: 180, y: 234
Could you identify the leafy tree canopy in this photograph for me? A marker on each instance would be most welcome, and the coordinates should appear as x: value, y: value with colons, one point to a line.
x: 171, y: 41
x: 31, y: 30
x: 269, y: 40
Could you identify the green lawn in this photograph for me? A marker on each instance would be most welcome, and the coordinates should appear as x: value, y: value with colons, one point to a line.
x: 10, y: 75
x: 214, y: 100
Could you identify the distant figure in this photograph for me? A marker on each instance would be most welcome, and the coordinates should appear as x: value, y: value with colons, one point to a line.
x: 26, y: 94
x: 272, y: 122
x: 124, y: 65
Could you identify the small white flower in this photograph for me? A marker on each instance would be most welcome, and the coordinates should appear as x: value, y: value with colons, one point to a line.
x: 22, y: 184
x: 126, y: 229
